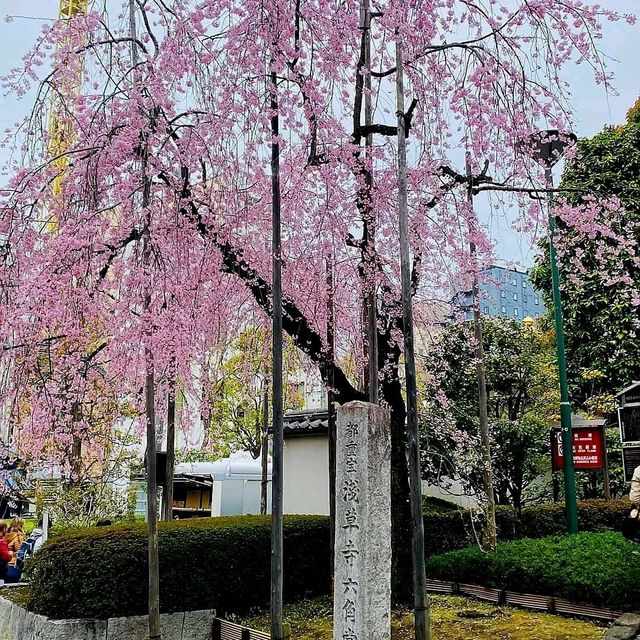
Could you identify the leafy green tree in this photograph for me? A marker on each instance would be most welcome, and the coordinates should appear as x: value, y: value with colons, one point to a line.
x: 235, y: 394
x: 522, y: 388
x: 601, y: 321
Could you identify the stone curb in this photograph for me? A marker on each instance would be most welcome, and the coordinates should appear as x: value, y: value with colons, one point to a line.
x: 17, y: 623
x: 626, y: 627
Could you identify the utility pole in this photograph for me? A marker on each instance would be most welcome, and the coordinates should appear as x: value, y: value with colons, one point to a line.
x: 547, y: 147
x: 276, y: 469
x: 149, y: 386
x: 421, y: 601
x: 483, y: 417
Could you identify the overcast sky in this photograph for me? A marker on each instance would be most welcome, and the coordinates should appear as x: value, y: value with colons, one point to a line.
x: 593, y: 106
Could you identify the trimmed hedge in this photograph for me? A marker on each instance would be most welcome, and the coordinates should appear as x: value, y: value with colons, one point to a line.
x: 453, y: 530
x: 458, y: 529
x: 219, y: 563
x: 593, y: 515
x: 224, y: 563
x: 595, y: 568
x: 432, y: 504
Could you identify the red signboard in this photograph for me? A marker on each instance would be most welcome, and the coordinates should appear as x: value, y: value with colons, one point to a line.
x: 588, y: 449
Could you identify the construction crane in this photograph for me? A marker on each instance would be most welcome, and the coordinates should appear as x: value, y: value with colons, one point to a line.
x: 61, y: 137
x: 61, y: 132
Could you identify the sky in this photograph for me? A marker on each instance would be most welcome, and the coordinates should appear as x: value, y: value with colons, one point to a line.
x: 594, y: 107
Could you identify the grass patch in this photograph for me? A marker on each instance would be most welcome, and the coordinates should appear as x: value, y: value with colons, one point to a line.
x: 453, y: 618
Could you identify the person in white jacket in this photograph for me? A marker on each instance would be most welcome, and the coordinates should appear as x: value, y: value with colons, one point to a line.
x: 634, y: 494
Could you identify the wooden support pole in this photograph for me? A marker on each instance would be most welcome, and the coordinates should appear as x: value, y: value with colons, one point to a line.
x: 278, y: 440
x: 491, y: 535
x: 421, y: 601
x: 331, y: 408
x: 149, y: 386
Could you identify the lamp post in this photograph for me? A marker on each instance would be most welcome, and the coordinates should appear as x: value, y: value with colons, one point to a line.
x: 547, y: 147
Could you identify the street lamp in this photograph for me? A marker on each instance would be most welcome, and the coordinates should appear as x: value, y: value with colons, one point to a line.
x: 547, y: 147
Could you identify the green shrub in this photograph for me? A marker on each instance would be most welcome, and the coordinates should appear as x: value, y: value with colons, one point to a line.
x: 452, y: 530
x: 593, y: 515
x: 431, y: 504
x: 224, y: 563
x: 219, y: 563
x: 455, y: 529
x: 597, y: 568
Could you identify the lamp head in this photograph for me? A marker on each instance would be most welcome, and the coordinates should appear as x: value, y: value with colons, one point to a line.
x: 547, y: 147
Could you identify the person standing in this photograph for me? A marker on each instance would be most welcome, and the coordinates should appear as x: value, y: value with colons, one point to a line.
x: 631, y: 524
x: 634, y: 493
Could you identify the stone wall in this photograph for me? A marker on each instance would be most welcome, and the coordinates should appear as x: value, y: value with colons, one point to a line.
x: 16, y: 623
x: 626, y: 627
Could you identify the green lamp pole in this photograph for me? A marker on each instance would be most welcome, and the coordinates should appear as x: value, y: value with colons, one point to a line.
x: 547, y: 147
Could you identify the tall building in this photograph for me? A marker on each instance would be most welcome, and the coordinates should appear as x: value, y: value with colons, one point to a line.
x: 503, y: 292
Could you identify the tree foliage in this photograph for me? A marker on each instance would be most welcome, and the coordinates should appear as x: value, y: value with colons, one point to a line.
x: 522, y: 402
x: 163, y: 219
x: 236, y: 393
x: 601, y: 315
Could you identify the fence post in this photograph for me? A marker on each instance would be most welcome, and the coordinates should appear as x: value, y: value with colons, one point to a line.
x: 217, y: 629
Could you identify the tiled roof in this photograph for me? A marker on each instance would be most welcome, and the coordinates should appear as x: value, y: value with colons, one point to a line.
x: 632, y: 386
x: 310, y: 422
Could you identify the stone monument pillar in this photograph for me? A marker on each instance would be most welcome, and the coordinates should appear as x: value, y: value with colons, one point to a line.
x: 362, y: 562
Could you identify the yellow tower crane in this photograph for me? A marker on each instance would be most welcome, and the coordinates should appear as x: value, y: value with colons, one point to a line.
x: 61, y: 132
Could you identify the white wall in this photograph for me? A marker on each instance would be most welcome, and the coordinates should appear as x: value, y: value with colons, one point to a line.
x: 306, y: 475
x: 311, y: 388
x: 455, y: 493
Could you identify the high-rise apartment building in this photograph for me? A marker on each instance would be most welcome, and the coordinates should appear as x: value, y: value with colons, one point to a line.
x: 503, y: 292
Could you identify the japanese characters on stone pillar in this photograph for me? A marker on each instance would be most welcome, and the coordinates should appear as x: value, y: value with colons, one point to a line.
x: 362, y: 591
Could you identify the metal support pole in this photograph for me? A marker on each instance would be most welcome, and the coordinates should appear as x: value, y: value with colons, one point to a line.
x: 565, y: 407
x: 421, y: 601
x: 606, y: 480
x: 276, y: 473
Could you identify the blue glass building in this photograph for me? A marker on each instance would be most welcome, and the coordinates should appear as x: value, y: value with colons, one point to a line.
x: 503, y: 292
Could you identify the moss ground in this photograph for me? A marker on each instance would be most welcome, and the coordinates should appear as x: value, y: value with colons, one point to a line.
x: 17, y: 595
x: 453, y: 618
